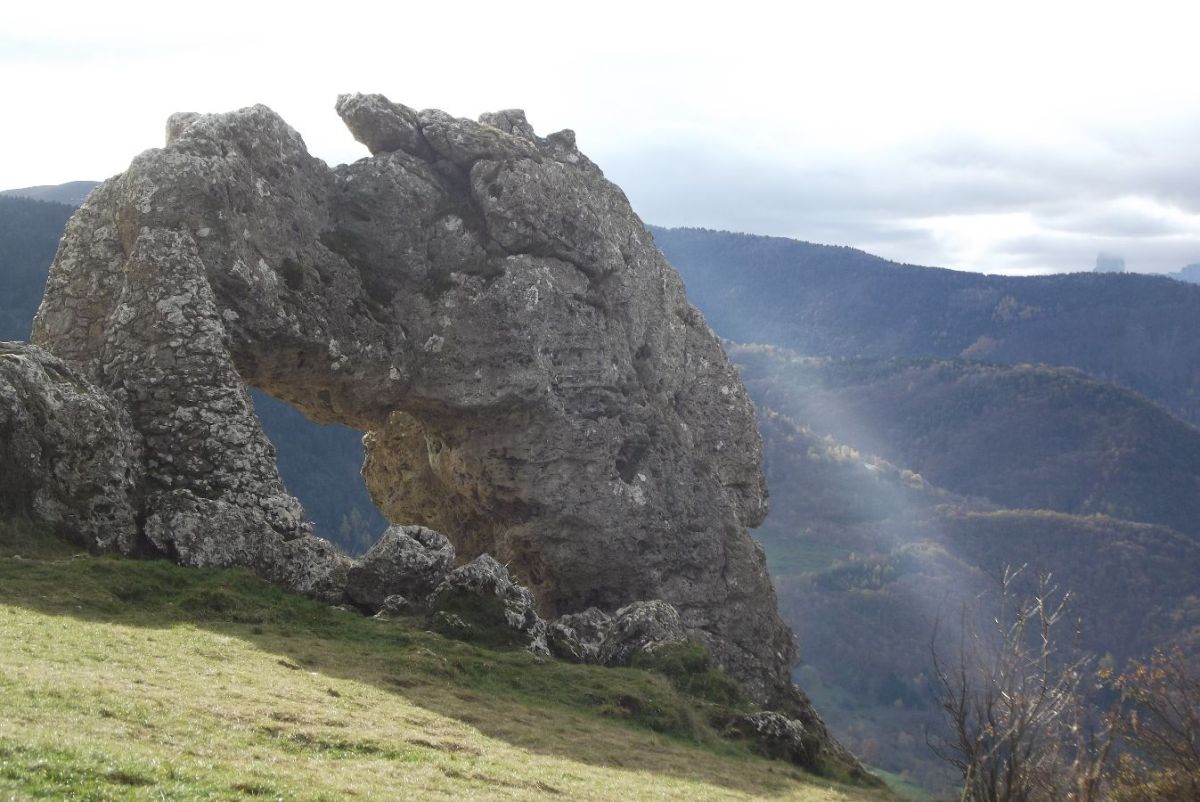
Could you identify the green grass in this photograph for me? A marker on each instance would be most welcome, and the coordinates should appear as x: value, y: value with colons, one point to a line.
x: 124, y: 679
x: 905, y: 790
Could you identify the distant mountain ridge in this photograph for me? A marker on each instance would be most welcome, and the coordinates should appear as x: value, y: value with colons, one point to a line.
x: 912, y: 451
x: 1190, y: 273
x: 1139, y: 331
x: 72, y: 193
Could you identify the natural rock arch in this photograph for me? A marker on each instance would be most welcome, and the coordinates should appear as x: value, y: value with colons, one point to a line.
x: 479, y: 300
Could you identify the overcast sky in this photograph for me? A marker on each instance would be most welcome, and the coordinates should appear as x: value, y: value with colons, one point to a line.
x: 1002, y: 137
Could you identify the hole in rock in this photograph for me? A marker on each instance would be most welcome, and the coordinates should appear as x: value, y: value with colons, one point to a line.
x: 321, y: 465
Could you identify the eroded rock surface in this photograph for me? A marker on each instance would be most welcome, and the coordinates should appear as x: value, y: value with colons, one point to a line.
x: 68, y: 454
x: 407, y: 561
x: 483, y: 303
x: 479, y: 601
x: 641, y: 627
x: 579, y: 636
x: 776, y: 736
x: 594, y: 636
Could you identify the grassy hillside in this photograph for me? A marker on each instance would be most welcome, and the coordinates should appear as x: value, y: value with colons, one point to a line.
x: 1026, y: 436
x: 143, y: 680
x: 1142, y: 332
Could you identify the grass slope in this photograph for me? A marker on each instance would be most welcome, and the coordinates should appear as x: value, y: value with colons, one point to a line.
x: 124, y: 679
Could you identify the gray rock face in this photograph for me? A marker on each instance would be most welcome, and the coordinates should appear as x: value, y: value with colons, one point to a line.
x: 481, y: 302
x: 641, y: 627
x: 181, y: 525
x: 396, y: 607
x: 480, y: 601
x: 776, y: 736
x: 68, y: 454
x: 593, y: 636
x: 408, y: 561
x: 579, y: 636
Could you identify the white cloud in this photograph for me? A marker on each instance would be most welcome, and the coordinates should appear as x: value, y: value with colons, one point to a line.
x: 851, y: 120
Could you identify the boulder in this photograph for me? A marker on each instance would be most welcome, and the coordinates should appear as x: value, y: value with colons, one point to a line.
x: 776, y: 736
x: 69, y: 456
x: 640, y: 628
x: 594, y: 636
x: 396, y: 607
x: 480, y: 602
x: 579, y: 637
x: 408, y: 561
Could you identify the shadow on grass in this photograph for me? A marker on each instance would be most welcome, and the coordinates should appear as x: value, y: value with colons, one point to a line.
x: 616, y: 718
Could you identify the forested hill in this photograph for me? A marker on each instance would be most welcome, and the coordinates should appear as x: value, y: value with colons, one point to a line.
x: 73, y: 193
x: 1140, y: 331
x: 29, y: 234
x: 1027, y: 436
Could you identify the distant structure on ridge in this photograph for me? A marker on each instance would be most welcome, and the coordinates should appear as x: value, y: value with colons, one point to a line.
x: 1109, y: 263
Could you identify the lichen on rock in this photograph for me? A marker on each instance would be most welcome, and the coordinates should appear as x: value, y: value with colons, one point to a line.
x: 407, y: 561
x: 480, y: 601
x: 69, y: 456
x: 639, y: 628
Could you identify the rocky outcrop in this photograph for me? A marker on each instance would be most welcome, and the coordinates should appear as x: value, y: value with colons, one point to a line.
x: 640, y: 628
x: 407, y: 561
x: 480, y: 301
x: 180, y: 524
x: 775, y: 736
x: 397, y: 607
x: 68, y: 454
x: 479, y: 601
x: 593, y: 636
x: 578, y: 637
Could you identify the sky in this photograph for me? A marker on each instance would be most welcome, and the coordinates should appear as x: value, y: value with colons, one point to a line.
x: 1012, y: 137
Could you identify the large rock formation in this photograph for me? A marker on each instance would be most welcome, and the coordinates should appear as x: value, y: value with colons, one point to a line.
x: 483, y: 303
x: 68, y: 454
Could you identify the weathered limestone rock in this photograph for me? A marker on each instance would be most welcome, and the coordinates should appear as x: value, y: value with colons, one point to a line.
x: 640, y: 628
x: 396, y: 607
x: 480, y: 601
x: 481, y: 302
x: 408, y: 561
x: 578, y: 636
x: 181, y: 525
x: 776, y: 736
x: 68, y: 454
x: 593, y: 636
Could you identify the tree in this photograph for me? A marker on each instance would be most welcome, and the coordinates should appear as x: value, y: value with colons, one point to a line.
x: 1161, y: 726
x: 1015, y: 699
